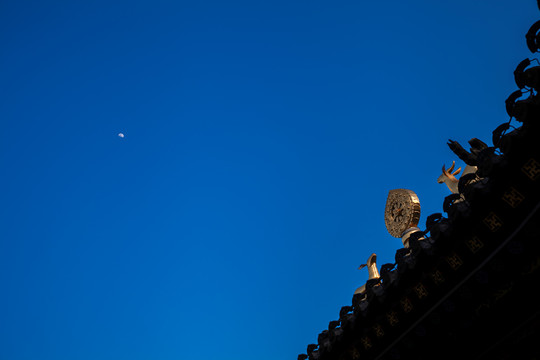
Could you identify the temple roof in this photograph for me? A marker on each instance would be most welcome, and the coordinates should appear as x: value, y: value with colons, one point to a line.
x: 465, y: 286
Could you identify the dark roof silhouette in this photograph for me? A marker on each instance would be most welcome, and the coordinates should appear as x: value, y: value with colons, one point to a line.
x: 467, y: 286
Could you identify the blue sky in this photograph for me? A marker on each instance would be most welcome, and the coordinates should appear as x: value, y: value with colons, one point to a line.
x: 261, y: 140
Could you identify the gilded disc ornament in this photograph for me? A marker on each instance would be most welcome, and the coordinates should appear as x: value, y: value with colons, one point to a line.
x: 402, y: 211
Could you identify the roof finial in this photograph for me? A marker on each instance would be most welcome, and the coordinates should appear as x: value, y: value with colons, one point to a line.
x: 372, y: 270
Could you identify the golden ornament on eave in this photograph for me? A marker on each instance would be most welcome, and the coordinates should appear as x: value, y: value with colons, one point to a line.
x: 402, y: 211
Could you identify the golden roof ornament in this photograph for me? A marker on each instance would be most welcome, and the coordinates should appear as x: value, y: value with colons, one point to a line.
x: 372, y: 270
x: 470, y: 158
x: 449, y: 178
x: 402, y: 214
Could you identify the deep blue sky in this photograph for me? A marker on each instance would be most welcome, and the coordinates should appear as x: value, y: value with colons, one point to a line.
x: 261, y: 140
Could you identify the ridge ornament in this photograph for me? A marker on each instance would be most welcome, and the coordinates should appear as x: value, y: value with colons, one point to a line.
x: 402, y: 214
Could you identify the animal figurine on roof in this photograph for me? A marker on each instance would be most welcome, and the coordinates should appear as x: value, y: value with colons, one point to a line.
x: 372, y: 270
x: 449, y: 178
x: 470, y: 158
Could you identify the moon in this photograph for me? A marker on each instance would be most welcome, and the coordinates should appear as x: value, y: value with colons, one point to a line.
x: 121, y: 135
